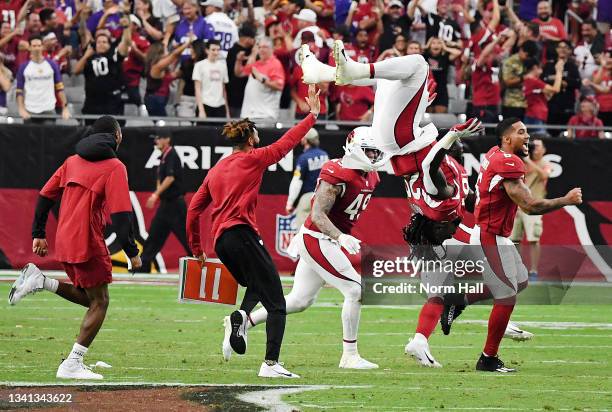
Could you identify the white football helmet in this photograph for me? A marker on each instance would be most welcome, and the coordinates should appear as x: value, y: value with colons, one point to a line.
x: 358, y: 141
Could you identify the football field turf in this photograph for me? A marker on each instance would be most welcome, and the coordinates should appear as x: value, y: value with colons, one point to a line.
x: 149, y: 337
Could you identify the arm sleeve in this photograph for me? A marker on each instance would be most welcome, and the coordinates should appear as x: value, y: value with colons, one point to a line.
x: 21, y: 78
x: 294, y: 189
x: 173, y: 165
x: 57, y: 75
x: 273, y: 153
x: 511, y: 167
x: 124, y: 229
x: 41, y: 214
x: 198, y: 204
x: 196, y: 75
x: 47, y: 197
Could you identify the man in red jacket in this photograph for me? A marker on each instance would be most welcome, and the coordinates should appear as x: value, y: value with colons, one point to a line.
x: 230, y: 192
x: 92, y: 185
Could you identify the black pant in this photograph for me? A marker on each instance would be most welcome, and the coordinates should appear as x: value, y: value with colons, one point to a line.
x: 241, y: 251
x: 170, y: 217
x: 508, y: 112
x: 214, y: 111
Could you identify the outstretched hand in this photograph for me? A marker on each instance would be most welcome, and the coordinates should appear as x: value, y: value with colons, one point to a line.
x: 472, y: 126
x: 574, y: 196
x: 313, y: 100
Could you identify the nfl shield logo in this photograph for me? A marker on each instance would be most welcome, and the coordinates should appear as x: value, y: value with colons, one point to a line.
x: 285, y: 231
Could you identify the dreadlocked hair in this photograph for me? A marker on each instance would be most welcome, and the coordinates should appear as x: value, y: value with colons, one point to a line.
x: 418, y: 236
x: 238, y: 132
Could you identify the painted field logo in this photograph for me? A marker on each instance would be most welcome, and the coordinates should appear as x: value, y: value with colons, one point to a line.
x: 285, y: 231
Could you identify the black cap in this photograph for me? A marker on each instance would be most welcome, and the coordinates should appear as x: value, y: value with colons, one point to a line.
x: 155, y: 136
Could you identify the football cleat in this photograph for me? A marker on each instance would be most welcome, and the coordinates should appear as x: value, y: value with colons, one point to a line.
x: 275, y: 370
x: 492, y: 364
x: 30, y: 280
x: 418, y: 348
x: 450, y: 313
x: 314, y: 71
x: 237, y: 332
x: 354, y: 361
x: 515, y: 333
x: 75, y: 369
x: 226, y: 348
x: 348, y: 70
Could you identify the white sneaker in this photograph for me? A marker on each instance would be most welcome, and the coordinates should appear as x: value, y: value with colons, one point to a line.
x: 30, y: 280
x: 235, y: 338
x: 314, y: 71
x: 515, y: 333
x: 347, y: 70
x: 418, y: 348
x: 354, y: 361
x: 75, y: 369
x: 275, y: 371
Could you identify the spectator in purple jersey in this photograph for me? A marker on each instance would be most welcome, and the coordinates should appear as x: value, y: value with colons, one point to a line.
x: 107, y: 18
x: 191, y: 23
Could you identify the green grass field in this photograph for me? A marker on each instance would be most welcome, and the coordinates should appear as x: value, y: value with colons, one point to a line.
x: 149, y: 337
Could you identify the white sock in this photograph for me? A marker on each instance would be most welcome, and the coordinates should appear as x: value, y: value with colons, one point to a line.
x: 350, y: 347
x: 256, y: 317
x: 78, y: 351
x: 420, y: 337
x: 50, y: 284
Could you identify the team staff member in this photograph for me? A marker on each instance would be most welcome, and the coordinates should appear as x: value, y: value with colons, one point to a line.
x: 305, y: 177
x: 92, y: 184
x: 172, y: 211
x: 230, y: 190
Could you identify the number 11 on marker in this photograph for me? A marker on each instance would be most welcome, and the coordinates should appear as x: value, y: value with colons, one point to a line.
x: 215, y: 293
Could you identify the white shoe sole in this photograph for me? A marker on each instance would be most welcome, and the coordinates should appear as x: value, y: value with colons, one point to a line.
x: 359, y: 367
x: 226, y: 348
x: 78, y: 376
x: 519, y: 337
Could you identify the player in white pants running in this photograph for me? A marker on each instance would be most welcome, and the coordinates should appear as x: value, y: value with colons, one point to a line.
x: 344, y: 190
x: 401, y: 95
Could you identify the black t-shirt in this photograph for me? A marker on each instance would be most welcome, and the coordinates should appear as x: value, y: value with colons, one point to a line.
x: 439, y: 66
x: 444, y: 29
x: 391, y: 28
x: 170, y: 165
x: 186, y: 76
x: 104, y: 76
x: 236, y: 85
x: 565, y: 100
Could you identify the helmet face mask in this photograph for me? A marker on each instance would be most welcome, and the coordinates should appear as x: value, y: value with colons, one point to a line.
x: 361, y: 151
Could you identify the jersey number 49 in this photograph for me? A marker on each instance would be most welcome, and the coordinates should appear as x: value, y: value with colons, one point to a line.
x: 358, y: 205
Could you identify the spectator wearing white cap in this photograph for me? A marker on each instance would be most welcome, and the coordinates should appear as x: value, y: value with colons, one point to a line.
x: 226, y: 31
x: 306, y: 20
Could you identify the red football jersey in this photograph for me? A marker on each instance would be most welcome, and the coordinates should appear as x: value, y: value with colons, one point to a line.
x: 439, y: 210
x: 357, y: 188
x: 537, y: 105
x: 495, y: 210
x: 485, y: 84
x: 10, y: 10
x: 91, y: 192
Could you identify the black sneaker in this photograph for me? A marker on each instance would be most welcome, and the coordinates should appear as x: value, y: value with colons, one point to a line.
x: 492, y: 364
x: 238, y: 336
x: 450, y: 313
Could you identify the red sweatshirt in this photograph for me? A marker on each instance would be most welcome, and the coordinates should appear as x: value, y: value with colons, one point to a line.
x: 232, y: 185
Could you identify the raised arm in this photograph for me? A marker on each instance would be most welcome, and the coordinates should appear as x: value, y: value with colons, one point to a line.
x: 276, y: 151
x: 433, y: 179
x: 521, y: 195
x: 199, y: 203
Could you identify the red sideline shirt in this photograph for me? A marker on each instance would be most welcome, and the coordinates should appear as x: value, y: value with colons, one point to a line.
x: 91, y: 191
x: 231, y: 186
x: 133, y: 67
x: 357, y: 188
x: 495, y: 210
x: 553, y: 27
x: 537, y: 105
x: 354, y: 101
x: 485, y: 85
x: 580, y: 120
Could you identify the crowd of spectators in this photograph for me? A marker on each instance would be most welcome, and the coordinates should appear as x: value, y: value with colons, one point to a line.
x: 547, y: 64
